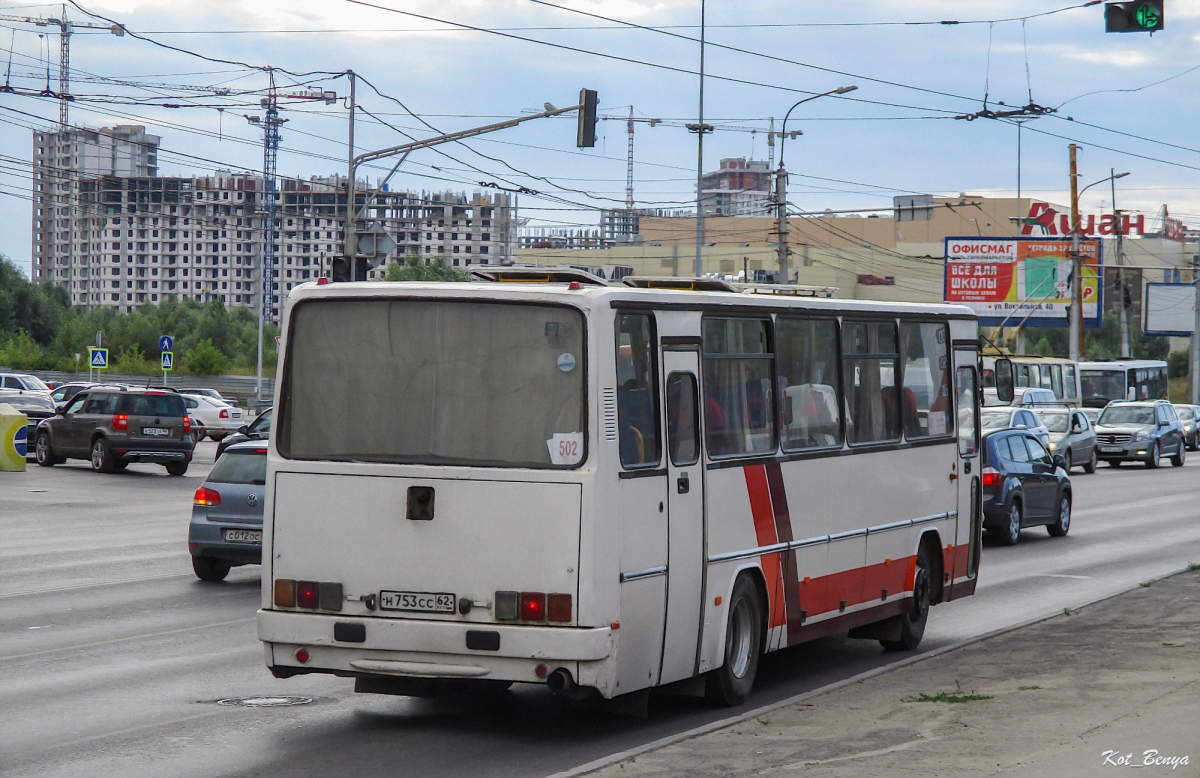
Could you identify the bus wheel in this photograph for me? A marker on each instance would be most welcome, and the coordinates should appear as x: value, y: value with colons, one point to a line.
x: 912, y: 624
x: 730, y: 684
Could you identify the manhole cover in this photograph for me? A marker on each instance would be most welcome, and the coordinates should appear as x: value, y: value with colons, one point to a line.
x: 265, y: 702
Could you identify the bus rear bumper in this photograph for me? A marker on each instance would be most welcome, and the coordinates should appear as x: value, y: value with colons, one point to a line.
x: 410, y: 648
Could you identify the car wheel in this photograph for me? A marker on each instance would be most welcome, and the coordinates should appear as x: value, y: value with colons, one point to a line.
x: 43, y: 452
x: 1067, y: 455
x: 912, y: 624
x: 1152, y: 457
x: 119, y: 465
x: 210, y: 569
x: 1180, y: 456
x: 102, y: 461
x: 1011, y: 533
x: 1090, y: 467
x: 218, y: 438
x: 730, y: 684
x: 1063, y: 524
x: 178, y: 468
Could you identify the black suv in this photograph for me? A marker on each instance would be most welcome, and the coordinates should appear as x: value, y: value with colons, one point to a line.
x: 113, y: 426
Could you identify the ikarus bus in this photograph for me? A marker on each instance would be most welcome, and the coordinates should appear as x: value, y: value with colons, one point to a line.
x: 610, y: 488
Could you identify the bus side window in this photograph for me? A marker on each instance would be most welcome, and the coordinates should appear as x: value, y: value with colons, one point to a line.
x: 637, y: 391
x: 870, y: 362
x: 739, y: 415
x: 926, y: 392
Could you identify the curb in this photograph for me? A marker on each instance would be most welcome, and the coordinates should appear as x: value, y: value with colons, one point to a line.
x: 704, y: 729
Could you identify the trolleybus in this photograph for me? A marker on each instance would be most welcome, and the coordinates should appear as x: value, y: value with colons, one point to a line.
x: 607, y: 489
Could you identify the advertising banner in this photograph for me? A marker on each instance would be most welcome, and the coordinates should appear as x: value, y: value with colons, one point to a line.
x: 1022, y: 280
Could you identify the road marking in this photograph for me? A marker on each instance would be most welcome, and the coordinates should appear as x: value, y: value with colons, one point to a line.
x: 124, y: 639
x: 98, y: 583
x: 1062, y: 575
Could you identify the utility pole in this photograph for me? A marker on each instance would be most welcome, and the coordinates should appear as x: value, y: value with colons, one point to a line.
x: 1195, y: 371
x: 351, y: 204
x: 700, y: 128
x: 1123, y: 314
x: 1075, y: 329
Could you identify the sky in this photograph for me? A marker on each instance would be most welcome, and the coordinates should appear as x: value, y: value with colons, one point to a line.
x: 1131, y: 101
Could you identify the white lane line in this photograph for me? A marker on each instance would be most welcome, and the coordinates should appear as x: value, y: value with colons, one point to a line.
x: 124, y: 639
x: 1062, y: 575
x: 97, y: 583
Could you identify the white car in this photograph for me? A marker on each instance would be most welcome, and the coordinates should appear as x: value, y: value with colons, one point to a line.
x: 219, y: 419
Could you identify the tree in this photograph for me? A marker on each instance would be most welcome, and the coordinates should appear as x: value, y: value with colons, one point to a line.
x: 414, y: 269
x: 132, y: 361
x: 205, y: 359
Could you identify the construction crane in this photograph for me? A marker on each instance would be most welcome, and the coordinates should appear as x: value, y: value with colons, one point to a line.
x: 64, y: 51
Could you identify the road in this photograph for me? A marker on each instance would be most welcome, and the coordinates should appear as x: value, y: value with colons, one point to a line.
x: 113, y: 656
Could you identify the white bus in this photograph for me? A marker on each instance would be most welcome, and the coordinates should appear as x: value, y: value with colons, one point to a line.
x: 1129, y: 379
x: 1059, y: 375
x: 607, y: 489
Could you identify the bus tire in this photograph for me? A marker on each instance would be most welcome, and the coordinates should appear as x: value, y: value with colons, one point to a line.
x: 912, y: 624
x: 730, y: 683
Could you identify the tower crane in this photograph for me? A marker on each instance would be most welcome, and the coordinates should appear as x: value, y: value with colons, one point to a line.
x: 64, y: 51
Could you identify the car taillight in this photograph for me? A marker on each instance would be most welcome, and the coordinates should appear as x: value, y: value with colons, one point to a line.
x: 533, y: 606
x: 120, y: 421
x: 991, y: 477
x: 224, y: 413
x: 206, y: 496
x: 187, y: 424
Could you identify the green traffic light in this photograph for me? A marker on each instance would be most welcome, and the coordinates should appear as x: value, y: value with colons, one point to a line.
x: 1147, y: 16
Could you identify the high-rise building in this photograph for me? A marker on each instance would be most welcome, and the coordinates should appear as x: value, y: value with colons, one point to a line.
x: 740, y: 187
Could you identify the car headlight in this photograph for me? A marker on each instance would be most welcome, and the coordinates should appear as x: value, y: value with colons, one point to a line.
x: 1052, y: 445
x: 1139, y: 436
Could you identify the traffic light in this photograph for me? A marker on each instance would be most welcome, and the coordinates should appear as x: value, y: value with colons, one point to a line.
x: 340, y: 269
x: 1138, y: 16
x: 585, y: 137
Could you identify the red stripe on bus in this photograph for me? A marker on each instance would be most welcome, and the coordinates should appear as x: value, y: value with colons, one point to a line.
x: 783, y: 528
x: 765, y: 532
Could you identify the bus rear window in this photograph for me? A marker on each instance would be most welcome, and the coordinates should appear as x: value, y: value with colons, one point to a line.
x: 434, y: 382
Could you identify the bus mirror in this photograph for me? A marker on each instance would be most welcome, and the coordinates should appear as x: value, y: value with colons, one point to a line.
x: 1004, y: 380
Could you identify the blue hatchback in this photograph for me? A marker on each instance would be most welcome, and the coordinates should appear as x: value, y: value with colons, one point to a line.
x: 1024, y: 485
x: 227, y: 512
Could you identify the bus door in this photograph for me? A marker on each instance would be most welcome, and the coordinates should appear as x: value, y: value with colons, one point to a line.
x: 969, y: 526
x: 685, y: 515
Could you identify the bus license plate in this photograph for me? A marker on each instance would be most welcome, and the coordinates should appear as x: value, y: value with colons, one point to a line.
x: 243, y: 536
x: 156, y: 431
x: 420, y: 602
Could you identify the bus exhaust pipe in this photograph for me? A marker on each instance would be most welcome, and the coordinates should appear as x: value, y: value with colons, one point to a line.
x: 561, y: 682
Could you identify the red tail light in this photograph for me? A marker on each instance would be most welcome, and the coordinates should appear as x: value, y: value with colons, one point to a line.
x: 121, y: 422
x: 558, y: 607
x: 187, y: 424
x: 206, y: 496
x: 991, y: 477
x: 533, y: 606
x: 224, y: 413
x: 307, y: 594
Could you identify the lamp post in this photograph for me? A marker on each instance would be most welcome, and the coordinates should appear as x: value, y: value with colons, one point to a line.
x: 781, y: 183
x: 1076, y: 319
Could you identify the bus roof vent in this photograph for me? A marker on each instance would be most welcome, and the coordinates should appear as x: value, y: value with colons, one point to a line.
x: 687, y: 283
x: 534, y: 275
x: 789, y: 290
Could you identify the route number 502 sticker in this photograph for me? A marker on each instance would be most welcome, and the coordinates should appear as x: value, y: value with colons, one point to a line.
x: 566, y: 448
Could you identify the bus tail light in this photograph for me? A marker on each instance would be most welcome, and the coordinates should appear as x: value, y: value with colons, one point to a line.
x: 285, y: 593
x: 307, y: 594
x: 508, y: 606
x: 533, y: 606
x: 206, y: 496
x: 558, y: 607
x: 121, y: 422
x: 991, y: 477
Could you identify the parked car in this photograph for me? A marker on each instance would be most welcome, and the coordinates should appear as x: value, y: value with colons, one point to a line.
x: 227, y: 513
x: 1003, y: 417
x: 27, y: 394
x: 218, y: 417
x: 1072, y: 436
x: 1190, y: 416
x: 63, y: 393
x: 114, y: 426
x: 259, y: 429
x: 1142, y: 431
x: 197, y: 429
x: 1024, y: 485
x: 212, y: 394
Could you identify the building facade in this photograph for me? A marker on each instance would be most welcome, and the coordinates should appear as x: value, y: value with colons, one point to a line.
x: 740, y: 187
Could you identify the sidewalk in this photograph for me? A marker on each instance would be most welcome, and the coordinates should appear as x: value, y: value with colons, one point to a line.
x: 1050, y: 699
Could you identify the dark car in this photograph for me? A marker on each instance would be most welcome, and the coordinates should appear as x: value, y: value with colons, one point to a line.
x: 1140, y: 431
x: 1189, y: 415
x: 114, y: 426
x: 1024, y: 485
x: 227, y: 513
x: 29, y: 395
x: 259, y: 429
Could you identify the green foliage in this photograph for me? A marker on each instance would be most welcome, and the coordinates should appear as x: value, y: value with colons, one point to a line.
x: 1177, y: 364
x: 415, y: 269
x: 40, y: 330
x: 205, y: 359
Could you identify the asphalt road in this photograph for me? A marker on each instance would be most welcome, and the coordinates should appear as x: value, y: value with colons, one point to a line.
x: 113, y: 656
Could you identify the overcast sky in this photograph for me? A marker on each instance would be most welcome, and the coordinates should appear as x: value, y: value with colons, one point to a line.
x: 895, y: 135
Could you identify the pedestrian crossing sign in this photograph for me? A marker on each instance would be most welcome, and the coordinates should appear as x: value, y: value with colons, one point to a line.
x: 168, y: 360
x: 98, y: 357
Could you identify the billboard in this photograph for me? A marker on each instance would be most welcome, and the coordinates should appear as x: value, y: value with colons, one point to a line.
x: 1170, y: 309
x: 1022, y: 280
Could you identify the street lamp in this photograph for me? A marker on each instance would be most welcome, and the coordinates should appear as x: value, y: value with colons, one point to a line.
x: 781, y: 182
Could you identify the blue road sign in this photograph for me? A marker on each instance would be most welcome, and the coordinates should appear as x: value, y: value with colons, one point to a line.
x: 168, y: 360
x: 166, y: 343
x: 98, y: 357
